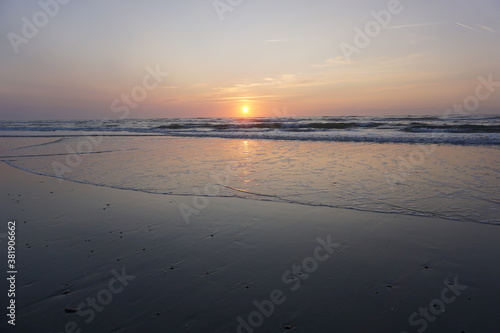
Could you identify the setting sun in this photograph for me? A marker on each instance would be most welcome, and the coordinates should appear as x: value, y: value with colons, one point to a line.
x: 245, y: 109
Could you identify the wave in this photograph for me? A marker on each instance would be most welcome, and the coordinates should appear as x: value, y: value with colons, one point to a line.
x: 270, y: 125
x: 417, y: 127
x: 477, y: 129
x: 392, y: 208
x: 349, y: 137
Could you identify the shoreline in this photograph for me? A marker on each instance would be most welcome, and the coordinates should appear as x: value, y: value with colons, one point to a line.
x: 415, y: 141
x: 278, y: 200
x: 206, y: 275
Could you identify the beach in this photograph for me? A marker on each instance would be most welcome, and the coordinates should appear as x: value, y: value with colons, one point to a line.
x: 100, y: 257
x: 231, y: 166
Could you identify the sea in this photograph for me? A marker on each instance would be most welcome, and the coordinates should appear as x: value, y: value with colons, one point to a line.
x: 433, y: 166
x: 463, y: 130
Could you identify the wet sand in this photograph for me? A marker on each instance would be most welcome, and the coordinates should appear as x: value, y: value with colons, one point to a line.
x: 95, y: 259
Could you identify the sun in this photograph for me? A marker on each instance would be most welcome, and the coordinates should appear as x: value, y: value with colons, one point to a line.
x: 245, y: 109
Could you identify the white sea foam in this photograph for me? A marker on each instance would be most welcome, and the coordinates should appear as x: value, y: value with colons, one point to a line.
x: 477, y: 130
x: 449, y: 181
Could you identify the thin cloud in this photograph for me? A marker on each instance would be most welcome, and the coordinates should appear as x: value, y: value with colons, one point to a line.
x: 199, y: 85
x: 416, y: 25
x: 281, y: 40
x: 232, y: 99
x: 285, y: 81
x: 466, y: 26
x: 340, y: 63
x: 487, y: 28
x: 337, y: 61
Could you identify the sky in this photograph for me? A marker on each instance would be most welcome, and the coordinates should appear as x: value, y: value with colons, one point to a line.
x: 71, y: 59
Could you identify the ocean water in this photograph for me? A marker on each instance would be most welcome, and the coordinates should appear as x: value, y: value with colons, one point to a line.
x: 478, y: 129
x: 422, y: 166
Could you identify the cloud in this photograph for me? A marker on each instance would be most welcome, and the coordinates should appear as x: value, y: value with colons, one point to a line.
x: 331, y: 62
x: 278, y: 82
x: 487, y: 28
x: 199, y: 85
x: 466, y: 26
x: 261, y: 88
x: 481, y: 26
x: 416, y: 25
x: 281, y: 40
x: 232, y: 99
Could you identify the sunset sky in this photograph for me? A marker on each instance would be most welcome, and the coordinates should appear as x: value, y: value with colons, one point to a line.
x: 280, y: 57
